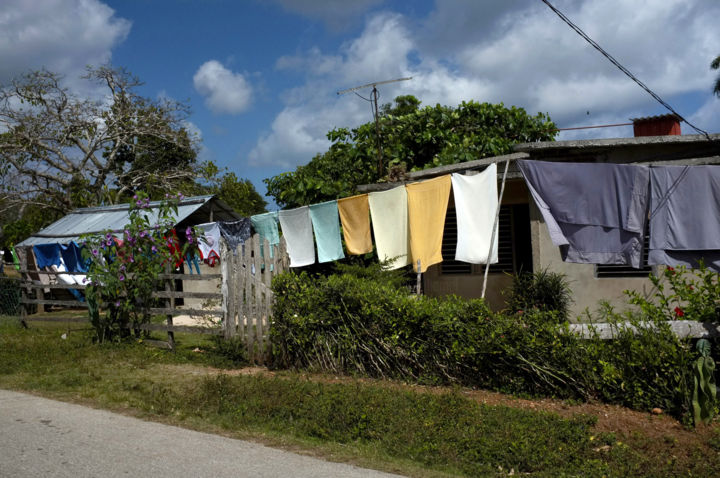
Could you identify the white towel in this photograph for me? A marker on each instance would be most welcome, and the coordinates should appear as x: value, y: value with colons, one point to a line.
x: 476, y: 202
x: 297, y: 230
x: 389, y: 213
x: 209, y: 241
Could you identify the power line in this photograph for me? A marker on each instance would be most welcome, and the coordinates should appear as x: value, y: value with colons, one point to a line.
x: 627, y: 72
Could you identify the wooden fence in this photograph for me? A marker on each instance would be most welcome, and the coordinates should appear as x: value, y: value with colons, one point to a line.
x: 247, y: 297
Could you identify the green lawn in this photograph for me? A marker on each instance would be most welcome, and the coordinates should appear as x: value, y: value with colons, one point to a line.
x: 369, y: 423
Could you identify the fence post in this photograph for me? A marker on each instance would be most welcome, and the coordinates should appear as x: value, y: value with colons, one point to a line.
x: 225, y: 268
x: 170, y: 302
x: 24, y: 289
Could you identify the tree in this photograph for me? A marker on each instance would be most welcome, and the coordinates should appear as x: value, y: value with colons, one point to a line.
x: 413, y: 138
x: 716, y: 65
x: 61, y: 150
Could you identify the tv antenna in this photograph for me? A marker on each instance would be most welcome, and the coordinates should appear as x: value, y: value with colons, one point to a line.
x: 374, y: 107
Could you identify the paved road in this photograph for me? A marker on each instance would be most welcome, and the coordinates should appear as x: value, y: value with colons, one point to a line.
x: 46, y: 438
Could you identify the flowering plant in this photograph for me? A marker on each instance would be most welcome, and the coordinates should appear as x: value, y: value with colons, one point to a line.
x: 125, y: 266
x: 680, y: 293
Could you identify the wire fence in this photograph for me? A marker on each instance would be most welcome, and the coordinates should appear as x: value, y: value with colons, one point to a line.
x: 9, y: 296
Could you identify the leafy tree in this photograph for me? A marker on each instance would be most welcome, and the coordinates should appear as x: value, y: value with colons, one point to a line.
x: 716, y: 65
x: 413, y: 138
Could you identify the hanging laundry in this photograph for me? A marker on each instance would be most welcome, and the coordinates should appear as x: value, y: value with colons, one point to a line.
x: 32, y: 265
x: 173, y: 244
x: 326, y: 224
x: 72, y: 257
x: 595, y: 212
x: 297, y: 230
x: 389, y: 213
x: 355, y: 217
x: 685, y: 216
x: 266, y: 225
x: 427, y: 206
x: 235, y: 233
x: 47, y: 255
x: 16, y: 259
x: 476, y: 203
x: 209, y: 242
x: 191, y: 259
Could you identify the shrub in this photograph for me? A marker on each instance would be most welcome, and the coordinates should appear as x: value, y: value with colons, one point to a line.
x: 343, y: 323
x: 542, y: 290
x: 124, y: 274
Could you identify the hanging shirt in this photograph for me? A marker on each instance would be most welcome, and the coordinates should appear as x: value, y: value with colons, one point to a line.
x: 326, y: 224
x: 297, y: 230
x: 476, y: 203
x: 235, y: 233
x: 266, y: 225
x: 685, y: 216
x: 209, y: 242
x: 389, y: 213
x: 47, y: 255
x: 427, y: 206
x: 355, y: 217
x: 595, y: 212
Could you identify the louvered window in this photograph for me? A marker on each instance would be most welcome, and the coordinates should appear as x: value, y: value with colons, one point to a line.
x: 513, y: 242
x: 626, y: 270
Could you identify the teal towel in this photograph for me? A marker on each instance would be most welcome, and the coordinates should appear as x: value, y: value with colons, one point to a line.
x: 266, y: 225
x: 326, y: 223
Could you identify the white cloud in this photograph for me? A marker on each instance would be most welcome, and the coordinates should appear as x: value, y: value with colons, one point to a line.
x: 60, y: 35
x: 512, y: 52
x: 224, y: 91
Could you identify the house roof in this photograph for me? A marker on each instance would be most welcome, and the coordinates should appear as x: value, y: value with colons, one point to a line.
x: 92, y: 220
x: 677, y: 149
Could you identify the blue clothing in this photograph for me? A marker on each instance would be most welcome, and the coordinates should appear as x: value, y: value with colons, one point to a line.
x: 326, y: 224
x: 685, y: 216
x: 47, y: 255
x: 595, y: 212
x: 73, y: 259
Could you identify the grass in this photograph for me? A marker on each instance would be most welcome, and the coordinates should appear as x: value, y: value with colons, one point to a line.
x: 374, y: 424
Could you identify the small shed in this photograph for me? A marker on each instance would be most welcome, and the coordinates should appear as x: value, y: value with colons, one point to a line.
x: 95, y: 220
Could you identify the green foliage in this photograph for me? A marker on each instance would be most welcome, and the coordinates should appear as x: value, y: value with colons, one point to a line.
x: 542, y: 291
x: 124, y: 276
x: 704, y: 397
x: 234, y: 349
x: 412, y: 138
x: 351, y: 324
x: 240, y: 194
x: 681, y: 294
x: 715, y: 64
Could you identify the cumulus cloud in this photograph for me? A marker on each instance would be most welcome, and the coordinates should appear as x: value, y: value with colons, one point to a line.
x: 224, y: 90
x: 512, y: 52
x: 60, y: 35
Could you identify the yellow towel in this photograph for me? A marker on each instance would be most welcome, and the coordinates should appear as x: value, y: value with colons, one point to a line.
x: 427, y: 205
x: 355, y: 218
x: 388, y: 210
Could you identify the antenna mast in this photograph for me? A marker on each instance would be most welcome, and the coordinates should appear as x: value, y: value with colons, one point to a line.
x: 376, y: 115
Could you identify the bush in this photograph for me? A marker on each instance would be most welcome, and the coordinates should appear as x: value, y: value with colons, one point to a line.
x: 343, y: 323
x: 543, y: 290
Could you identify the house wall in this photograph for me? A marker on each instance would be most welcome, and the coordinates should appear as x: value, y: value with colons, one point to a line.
x: 212, y: 286
x: 587, y: 289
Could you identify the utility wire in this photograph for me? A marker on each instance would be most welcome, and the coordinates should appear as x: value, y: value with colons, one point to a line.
x: 620, y: 67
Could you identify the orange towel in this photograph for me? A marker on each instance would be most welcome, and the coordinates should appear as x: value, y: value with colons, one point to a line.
x: 427, y: 205
x: 355, y: 219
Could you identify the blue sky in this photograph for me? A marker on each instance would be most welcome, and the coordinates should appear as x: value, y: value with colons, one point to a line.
x: 261, y: 76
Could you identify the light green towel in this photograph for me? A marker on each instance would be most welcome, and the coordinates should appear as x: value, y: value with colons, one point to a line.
x: 326, y: 224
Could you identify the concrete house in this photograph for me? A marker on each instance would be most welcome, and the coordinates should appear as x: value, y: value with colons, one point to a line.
x: 524, y: 241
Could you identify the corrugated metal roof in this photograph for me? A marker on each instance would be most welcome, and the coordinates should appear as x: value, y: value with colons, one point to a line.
x: 103, y: 218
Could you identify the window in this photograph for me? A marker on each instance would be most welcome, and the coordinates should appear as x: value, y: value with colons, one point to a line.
x: 514, y: 250
x: 626, y: 270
